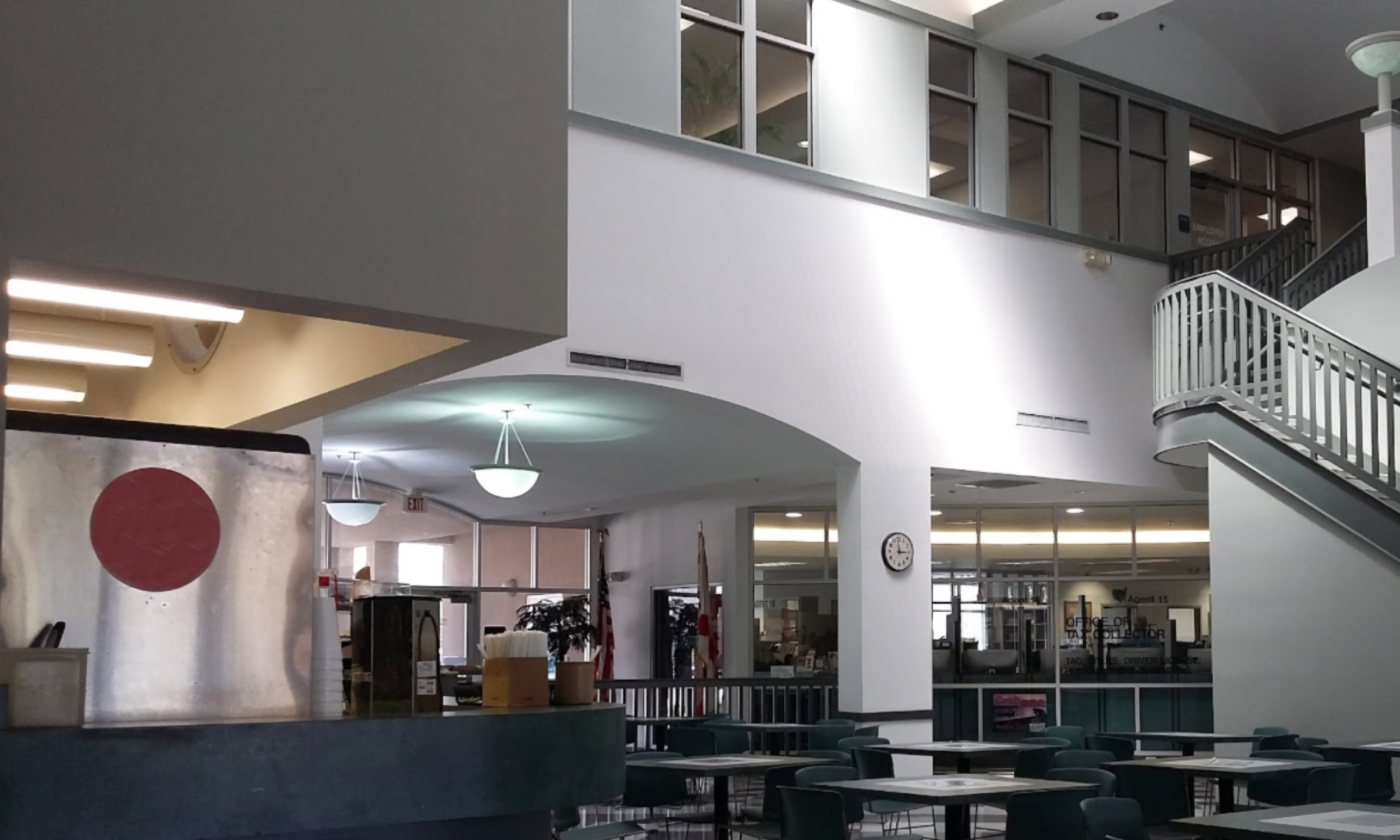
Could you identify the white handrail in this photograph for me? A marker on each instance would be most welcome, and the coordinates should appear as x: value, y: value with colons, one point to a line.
x: 1218, y: 341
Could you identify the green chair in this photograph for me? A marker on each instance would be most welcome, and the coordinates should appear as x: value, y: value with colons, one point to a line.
x: 650, y: 788
x: 832, y: 732
x: 848, y: 745
x: 1310, y: 744
x: 1277, y: 742
x: 1034, y: 764
x: 1116, y: 818
x: 1331, y: 784
x: 1046, y: 741
x: 1082, y: 758
x: 1266, y: 731
x: 855, y: 803
x: 836, y: 757
x: 693, y: 741
x: 728, y: 740
x: 1088, y: 775
x: 1122, y: 748
x: 766, y: 817
x: 1374, y: 783
x: 1073, y: 734
x: 880, y: 765
x: 1046, y: 815
x: 868, y: 732
x: 812, y: 814
x: 1281, y: 789
x: 1161, y: 792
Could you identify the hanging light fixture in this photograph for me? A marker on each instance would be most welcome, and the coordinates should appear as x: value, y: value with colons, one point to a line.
x: 502, y: 478
x: 356, y: 510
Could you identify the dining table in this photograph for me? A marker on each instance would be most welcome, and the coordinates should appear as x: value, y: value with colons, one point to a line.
x: 1187, y: 741
x: 962, y: 751
x: 721, y: 768
x: 1227, y: 771
x: 1324, y: 821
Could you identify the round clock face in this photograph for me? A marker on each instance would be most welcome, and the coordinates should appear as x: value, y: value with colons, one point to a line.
x: 898, y: 552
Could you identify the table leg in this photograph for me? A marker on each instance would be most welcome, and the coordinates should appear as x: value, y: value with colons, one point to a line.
x: 964, y: 764
x: 1188, y: 750
x: 955, y: 822
x: 1227, y: 795
x: 721, y: 808
x: 658, y: 737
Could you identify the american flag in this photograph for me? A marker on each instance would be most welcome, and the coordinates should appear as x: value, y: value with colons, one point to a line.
x: 603, y: 629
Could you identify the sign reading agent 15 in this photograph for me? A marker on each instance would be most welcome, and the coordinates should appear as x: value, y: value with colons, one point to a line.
x: 898, y: 552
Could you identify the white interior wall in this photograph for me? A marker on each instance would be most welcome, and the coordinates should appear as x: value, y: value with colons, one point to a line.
x: 1362, y: 309
x: 1304, y: 634
x: 618, y: 50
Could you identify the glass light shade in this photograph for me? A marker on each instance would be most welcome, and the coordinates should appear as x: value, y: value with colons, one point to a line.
x: 353, y: 512
x: 1376, y: 54
x: 506, y: 481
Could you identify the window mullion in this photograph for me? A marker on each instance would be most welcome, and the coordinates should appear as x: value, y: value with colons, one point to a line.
x: 748, y: 99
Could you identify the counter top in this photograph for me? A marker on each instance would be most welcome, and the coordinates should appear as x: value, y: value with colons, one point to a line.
x: 182, y: 780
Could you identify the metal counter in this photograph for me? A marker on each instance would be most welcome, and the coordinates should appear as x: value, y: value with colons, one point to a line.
x: 478, y: 773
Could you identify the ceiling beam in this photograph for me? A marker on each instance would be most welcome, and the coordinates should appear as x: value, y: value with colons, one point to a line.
x: 1030, y: 28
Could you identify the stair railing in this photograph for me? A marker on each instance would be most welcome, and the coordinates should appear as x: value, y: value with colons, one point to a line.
x: 1344, y: 258
x: 1218, y: 341
x: 1274, y: 263
x: 1222, y: 257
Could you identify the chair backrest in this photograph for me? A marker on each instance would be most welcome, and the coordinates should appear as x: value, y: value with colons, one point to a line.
x: 1034, y: 764
x: 772, y: 780
x: 1083, y: 758
x: 1162, y: 792
x: 874, y: 765
x: 837, y: 757
x: 1271, y: 730
x: 1073, y: 734
x: 1088, y: 775
x: 728, y: 740
x: 868, y: 732
x: 1122, y: 748
x: 846, y: 745
x: 1374, y: 780
x: 812, y: 814
x: 693, y: 740
x: 1310, y: 744
x: 650, y: 787
x: 1287, y: 755
x: 1277, y: 742
x: 855, y: 801
x: 1120, y: 819
x: 1332, y: 784
x: 832, y: 732
x: 1046, y: 815
x: 1047, y: 741
x: 650, y: 755
x: 565, y: 818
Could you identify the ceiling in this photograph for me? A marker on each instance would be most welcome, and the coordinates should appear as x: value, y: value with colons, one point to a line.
x: 1277, y: 64
x: 604, y: 446
x: 951, y: 490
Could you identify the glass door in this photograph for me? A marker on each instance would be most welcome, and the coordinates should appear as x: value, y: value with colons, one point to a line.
x: 1212, y: 211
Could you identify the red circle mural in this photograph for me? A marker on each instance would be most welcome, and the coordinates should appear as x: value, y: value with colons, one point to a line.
x: 154, y: 529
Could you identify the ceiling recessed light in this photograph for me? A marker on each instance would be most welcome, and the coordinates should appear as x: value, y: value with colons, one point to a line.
x: 1106, y: 16
x: 794, y: 515
x: 935, y: 513
x: 1074, y: 510
x: 804, y: 144
x: 686, y: 24
x: 935, y: 169
x: 1197, y: 158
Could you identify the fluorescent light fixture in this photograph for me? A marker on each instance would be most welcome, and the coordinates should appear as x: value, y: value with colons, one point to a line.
x: 29, y: 380
x: 1125, y: 537
x: 935, y: 169
x: 686, y: 24
x: 1197, y: 158
x: 777, y: 565
x: 793, y: 515
x: 1285, y: 215
x: 1074, y: 510
x: 79, y: 340
x: 935, y: 513
x: 97, y: 298
x: 804, y: 144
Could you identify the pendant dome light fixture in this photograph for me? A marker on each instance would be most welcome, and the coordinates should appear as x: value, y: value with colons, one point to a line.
x: 501, y: 478
x: 356, y: 510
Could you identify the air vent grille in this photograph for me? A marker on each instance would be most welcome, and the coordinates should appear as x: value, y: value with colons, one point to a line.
x: 623, y: 365
x: 1057, y: 424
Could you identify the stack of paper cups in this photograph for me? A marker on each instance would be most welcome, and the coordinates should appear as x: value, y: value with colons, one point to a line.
x: 327, y: 669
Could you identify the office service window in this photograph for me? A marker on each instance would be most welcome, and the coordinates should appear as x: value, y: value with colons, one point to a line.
x: 795, y: 611
x: 746, y: 75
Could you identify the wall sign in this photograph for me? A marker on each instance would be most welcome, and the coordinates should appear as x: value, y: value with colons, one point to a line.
x: 154, y: 529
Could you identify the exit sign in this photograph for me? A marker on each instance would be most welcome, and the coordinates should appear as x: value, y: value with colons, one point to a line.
x: 415, y: 504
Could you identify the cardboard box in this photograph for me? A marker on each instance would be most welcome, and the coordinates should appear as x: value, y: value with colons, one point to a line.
x: 515, y: 682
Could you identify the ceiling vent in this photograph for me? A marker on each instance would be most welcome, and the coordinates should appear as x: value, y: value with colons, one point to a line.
x: 1055, y: 424
x: 997, y: 484
x: 618, y: 364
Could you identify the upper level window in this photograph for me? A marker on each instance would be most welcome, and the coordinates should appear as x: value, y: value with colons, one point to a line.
x: 952, y: 106
x: 1099, y: 148
x: 1146, y: 223
x: 1028, y: 144
x: 1243, y: 188
x: 723, y: 44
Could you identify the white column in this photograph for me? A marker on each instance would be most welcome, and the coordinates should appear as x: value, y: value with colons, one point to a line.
x: 1382, y: 132
x: 886, y: 660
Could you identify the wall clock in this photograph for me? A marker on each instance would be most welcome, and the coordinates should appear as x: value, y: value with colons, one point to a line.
x: 898, y: 552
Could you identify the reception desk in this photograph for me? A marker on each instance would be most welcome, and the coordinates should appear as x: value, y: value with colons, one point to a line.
x: 487, y: 774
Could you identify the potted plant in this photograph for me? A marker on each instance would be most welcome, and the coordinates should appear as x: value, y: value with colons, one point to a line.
x: 568, y: 627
